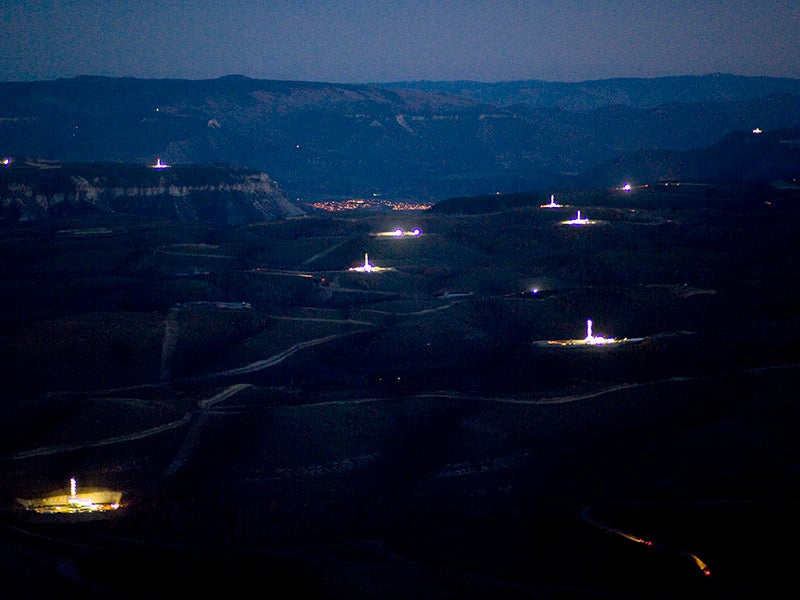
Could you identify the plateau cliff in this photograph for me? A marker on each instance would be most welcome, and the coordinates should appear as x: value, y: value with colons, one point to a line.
x: 216, y: 194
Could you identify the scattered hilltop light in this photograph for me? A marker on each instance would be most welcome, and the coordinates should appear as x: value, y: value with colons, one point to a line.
x: 367, y: 267
x: 160, y: 165
x: 578, y: 220
x: 552, y: 203
x: 596, y: 340
x: 399, y: 232
x: 6, y: 161
x: 96, y: 501
x: 534, y: 290
x: 630, y: 188
x: 756, y: 130
x: 590, y: 340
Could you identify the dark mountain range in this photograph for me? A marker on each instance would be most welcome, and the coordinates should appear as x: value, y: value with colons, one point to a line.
x: 422, y: 141
x: 632, y: 92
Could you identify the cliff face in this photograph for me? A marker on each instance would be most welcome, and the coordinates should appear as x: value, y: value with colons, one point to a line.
x: 224, y: 195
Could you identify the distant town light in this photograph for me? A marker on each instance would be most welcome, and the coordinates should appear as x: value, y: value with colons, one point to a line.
x: 6, y: 161
x: 756, y: 130
x: 160, y: 165
x: 627, y: 187
x: 371, y: 203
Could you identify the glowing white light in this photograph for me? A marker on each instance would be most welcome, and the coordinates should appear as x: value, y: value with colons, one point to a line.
x: 596, y: 340
x: 73, y: 487
x: 399, y: 232
x: 590, y: 340
x: 366, y: 267
x: 627, y: 187
x: 6, y: 161
x: 756, y: 130
x: 552, y: 203
x: 578, y: 220
x: 160, y: 165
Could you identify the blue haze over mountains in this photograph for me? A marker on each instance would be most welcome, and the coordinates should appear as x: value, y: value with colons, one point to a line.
x: 419, y: 140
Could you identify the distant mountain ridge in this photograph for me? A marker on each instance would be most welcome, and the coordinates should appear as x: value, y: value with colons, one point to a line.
x: 633, y: 92
x: 419, y: 140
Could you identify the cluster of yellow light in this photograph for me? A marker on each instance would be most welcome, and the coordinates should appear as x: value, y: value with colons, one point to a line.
x: 403, y: 205
x: 361, y: 203
x: 75, y: 503
x: 76, y: 507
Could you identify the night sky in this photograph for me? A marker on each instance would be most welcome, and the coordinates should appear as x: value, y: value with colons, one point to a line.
x: 361, y: 41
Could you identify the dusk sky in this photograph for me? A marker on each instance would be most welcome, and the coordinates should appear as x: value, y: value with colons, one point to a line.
x: 360, y: 41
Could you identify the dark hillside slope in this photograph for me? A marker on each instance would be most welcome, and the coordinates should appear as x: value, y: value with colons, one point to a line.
x: 741, y: 157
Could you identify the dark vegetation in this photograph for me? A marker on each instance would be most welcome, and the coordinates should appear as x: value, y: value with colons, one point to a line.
x: 422, y: 445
